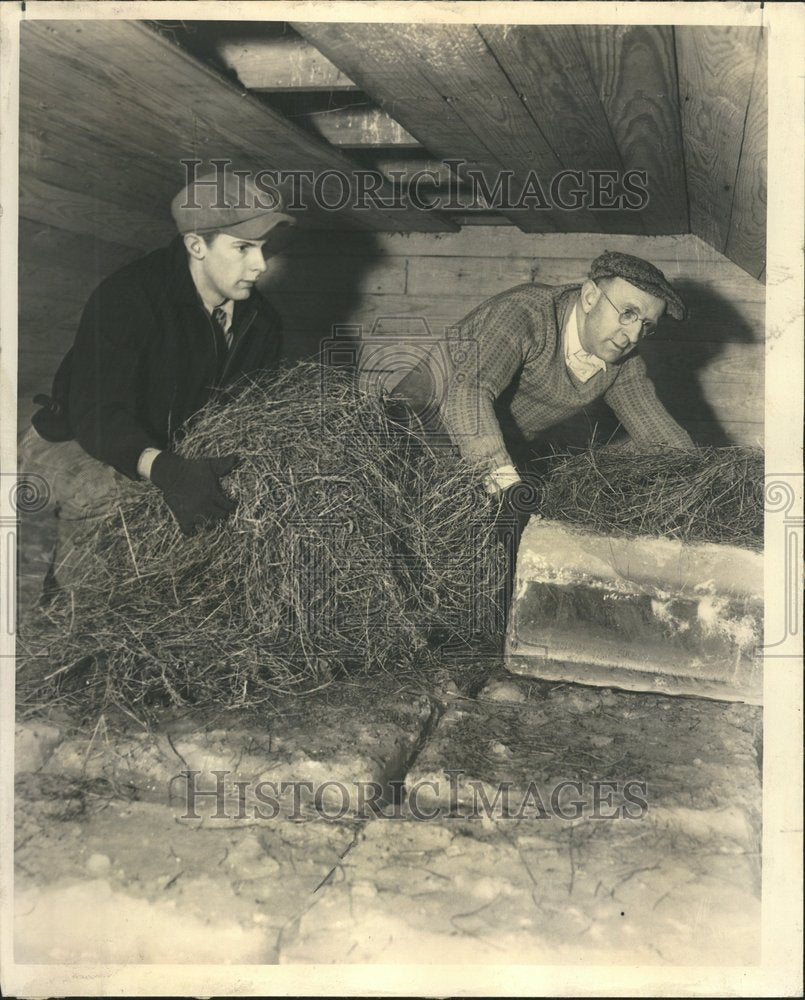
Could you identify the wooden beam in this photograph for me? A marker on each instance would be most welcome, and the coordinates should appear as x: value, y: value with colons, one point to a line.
x: 438, y: 173
x: 446, y: 88
x: 81, y: 213
x: 547, y: 65
x: 716, y: 66
x: 746, y: 240
x: 56, y: 147
x: 358, y: 128
x: 632, y: 68
x: 164, y: 101
x: 286, y: 63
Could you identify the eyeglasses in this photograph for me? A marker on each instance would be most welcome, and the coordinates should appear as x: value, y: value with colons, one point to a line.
x: 628, y: 317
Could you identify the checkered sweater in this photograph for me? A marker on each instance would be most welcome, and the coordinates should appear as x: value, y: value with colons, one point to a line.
x: 519, y: 333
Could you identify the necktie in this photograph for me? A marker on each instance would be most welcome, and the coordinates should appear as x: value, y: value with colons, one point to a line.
x: 219, y: 315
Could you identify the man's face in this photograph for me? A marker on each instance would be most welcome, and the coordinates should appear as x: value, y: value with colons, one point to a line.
x: 230, y: 266
x: 601, y: 332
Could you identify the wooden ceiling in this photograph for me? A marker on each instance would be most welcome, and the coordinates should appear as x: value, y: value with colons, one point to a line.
x: 686, y: 105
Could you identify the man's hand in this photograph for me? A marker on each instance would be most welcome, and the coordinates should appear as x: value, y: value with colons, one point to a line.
x: 191, y: 488
x: 517, y: 504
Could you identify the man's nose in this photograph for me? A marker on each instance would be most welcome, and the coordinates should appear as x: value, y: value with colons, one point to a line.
x: 257, y: 260
x: 633, y: 332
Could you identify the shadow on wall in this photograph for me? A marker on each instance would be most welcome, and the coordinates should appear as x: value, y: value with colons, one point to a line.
x: 710, y: 367
x: 316, y: 293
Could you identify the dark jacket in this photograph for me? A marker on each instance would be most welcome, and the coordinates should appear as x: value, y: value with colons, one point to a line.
x: 147, y: 356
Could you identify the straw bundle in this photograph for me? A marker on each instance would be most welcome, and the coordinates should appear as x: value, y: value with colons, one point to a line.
x: 352, y: 543
x: 708, y: 495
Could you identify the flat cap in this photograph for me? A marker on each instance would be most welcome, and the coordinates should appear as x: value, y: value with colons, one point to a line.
x: 641, y: 274
x: 227, y: 203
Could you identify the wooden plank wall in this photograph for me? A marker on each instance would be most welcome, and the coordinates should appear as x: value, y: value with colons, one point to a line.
x: 708, y: 370
x: 723, y: 101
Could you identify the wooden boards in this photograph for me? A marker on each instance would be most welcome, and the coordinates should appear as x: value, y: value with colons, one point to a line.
x: 444, y: 85
x: 633, y: 71
x: 162, y: 105
x: 284, y: 63
x: 716, y: 71
x: 746, y: 238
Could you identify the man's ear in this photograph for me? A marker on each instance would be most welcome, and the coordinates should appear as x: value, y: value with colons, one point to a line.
x: 590, y: 294
x: 195, y: 245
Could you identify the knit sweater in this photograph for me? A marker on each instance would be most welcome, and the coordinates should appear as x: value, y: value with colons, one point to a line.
x: 516, y: 337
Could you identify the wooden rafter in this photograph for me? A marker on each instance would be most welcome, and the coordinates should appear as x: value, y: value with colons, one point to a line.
x: 442, y: 83
x: 285, y: 63
x: 173, y: 107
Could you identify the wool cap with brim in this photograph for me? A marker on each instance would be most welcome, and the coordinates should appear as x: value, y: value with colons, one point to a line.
x: 641, y: 274
x: 228, y: 204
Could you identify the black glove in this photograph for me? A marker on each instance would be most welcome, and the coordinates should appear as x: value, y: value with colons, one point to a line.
x: 51, y: 422
x: 516, y: 504
x: 191, y: 488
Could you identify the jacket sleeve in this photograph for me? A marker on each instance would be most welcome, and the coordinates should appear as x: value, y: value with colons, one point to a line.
x: 272, y: 350
x: 634, y: 401
x: 490, y: 352
x: 105, y: 381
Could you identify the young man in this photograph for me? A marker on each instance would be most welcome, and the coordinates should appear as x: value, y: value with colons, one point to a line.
x: 555, y: 349
x: 156, y: 340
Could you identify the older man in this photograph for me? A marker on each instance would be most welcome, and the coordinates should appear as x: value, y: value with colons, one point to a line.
x: 156, y: 340
x: 552, y: 350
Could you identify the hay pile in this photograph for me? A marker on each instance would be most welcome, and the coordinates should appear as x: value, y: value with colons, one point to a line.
x: 707, y: 495
x: 352, y: 544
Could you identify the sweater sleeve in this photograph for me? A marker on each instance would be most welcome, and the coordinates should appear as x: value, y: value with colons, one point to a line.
x: 634, y: 401
x: 491, y: 350
x: 104, y: 383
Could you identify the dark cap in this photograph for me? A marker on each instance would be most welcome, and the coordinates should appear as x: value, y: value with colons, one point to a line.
x: 225, y: 203
x: 641, y: 274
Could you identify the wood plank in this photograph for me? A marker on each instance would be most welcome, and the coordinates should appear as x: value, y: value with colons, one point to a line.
x: 42, y: 242
x: 446, y: 88
x: 510, y: 242
x: 81, y: 213
x: 738, y: 363
x: 338, y: 278
x: 358, y: 128
x: 633, y: 70
x: 57, y: 148
x: 716, y: 280
x: 746, y: 240
x: 37, y: 314
x: 432, y: 172
x: 716, y: 66
x: 284, y: 63
x: 457, y: 276
x: 710, y: 401
x: 151, y: 84
x: 547, y: 65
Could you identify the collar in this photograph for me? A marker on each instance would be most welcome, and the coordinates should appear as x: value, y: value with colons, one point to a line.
x: 580, y: 362
x: 184, y: 288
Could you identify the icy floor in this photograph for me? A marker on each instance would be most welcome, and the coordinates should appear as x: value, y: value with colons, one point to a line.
x: 109, y: 869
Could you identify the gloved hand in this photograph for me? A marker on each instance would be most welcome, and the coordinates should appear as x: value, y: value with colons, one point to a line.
x: 191, y: 488
x: 51, y: 422
x: 516, y: 506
